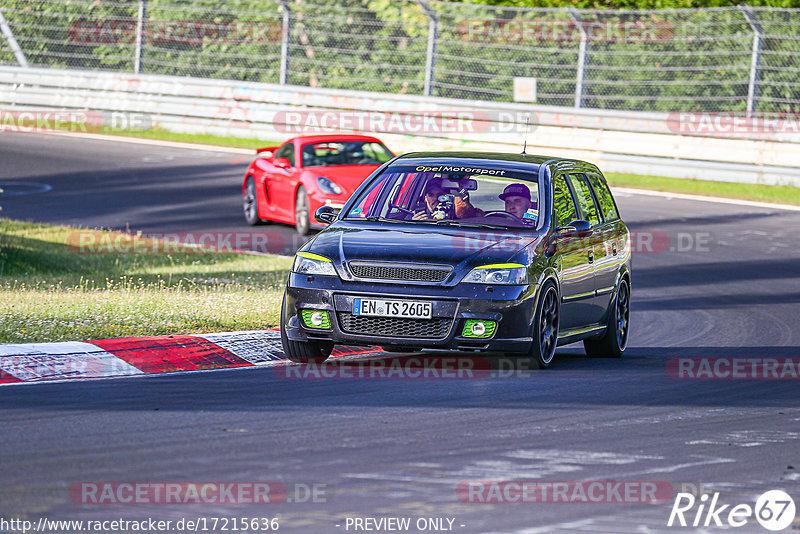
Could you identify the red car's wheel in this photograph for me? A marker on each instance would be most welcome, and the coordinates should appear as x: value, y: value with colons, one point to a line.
x: 302, y: 221
x: 250, y: 203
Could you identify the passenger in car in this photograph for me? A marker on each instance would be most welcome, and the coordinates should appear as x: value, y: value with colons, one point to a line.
x: 433, y: 191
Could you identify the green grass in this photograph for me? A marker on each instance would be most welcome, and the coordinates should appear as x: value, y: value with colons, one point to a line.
x: 200, y: 139
x: 780, y: 194
x: 50, y: 292
x: 160, y: 134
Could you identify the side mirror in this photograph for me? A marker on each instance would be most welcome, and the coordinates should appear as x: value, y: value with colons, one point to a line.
x: 282, y: 163
x: 326, y: 214
x: 577, y: 227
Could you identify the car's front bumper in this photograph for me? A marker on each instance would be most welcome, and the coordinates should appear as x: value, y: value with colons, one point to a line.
x: 512, y: 307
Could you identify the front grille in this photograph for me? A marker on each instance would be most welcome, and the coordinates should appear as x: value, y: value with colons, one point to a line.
x: 436, y: 328
x: 387, y: 271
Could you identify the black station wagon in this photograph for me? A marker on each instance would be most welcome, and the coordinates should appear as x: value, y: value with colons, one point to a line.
x: 465, y: 251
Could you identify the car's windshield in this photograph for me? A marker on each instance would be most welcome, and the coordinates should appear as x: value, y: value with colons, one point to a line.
x: 450, y: 195
x: 345, y: 153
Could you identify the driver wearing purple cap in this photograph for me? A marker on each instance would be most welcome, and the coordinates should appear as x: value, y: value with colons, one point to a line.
x: 518, y: 201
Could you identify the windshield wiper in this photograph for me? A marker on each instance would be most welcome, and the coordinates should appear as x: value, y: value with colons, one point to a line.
x: 472, y: 225
x: 376, y: 218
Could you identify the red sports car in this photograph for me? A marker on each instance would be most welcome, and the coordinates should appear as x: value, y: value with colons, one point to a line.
x: 289, y: 182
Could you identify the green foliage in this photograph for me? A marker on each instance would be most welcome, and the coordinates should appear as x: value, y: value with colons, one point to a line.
x: 635, y: 4
x: 688, y: 60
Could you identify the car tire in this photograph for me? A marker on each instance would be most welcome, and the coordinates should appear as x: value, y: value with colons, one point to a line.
x: 304, y: 352
x: 302, y: 219
x: 615, y: 340
x: 250, y: 203
x: 545, y: 326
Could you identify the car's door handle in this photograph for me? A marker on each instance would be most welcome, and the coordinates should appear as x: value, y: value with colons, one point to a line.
x: 591, y: 257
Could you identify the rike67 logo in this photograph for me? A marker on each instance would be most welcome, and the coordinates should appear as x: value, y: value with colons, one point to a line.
x: 774, y: 510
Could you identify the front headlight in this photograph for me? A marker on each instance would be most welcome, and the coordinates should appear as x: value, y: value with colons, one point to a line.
x: 328, y: 186
x: 501, y: 273
x: 308, y: 263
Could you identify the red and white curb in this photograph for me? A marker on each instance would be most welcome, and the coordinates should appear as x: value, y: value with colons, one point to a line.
x: 130, y: 356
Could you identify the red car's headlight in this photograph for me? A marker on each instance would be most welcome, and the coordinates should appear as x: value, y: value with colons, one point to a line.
x: 328, y: 186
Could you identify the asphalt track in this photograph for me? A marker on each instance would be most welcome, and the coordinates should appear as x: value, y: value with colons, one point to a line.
x: 722, y: 281
x: 158, y: 191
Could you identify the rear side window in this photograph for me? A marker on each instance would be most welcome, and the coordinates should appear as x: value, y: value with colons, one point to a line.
x: 583, y: 195
x: 286, y: 151
x: 603, y: 194
x: 563, y: 205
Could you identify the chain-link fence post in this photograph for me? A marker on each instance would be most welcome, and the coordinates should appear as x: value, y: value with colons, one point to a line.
x: 140, y: 37
x: 430, y: 55
x: 583, y: 57
x: 12, y: 42
x: 755, y: 58
x: 286, y: 35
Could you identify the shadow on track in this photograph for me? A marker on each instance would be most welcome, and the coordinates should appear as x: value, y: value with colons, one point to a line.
x: 638, y: 379
x: 716, y: 273
x: 652, y: 224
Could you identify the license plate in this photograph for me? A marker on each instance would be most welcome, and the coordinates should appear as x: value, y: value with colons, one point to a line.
x: 409, y: 309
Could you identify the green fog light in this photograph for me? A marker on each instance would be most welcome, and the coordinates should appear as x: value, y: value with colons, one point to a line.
x: 316, y: 319
x: 478, y: 329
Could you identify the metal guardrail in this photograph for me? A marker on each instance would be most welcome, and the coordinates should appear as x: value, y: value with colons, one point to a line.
x: 720, y: 59
x: 618, y: 141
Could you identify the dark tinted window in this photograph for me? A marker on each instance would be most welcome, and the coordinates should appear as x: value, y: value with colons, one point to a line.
x: 604, y: 197
x: 345, y: 153
x: 452, y: 194
x: 563, y: 205
x: 286, y: 151
x: 583, y: 195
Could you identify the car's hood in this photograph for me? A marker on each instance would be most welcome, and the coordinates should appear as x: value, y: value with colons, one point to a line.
x: 422, y: 244
x: 347, y: 176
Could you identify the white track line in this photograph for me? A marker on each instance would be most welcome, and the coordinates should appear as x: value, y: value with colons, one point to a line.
x: 157, y: 142
x: 216, y: 148
x: 718, y: 200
